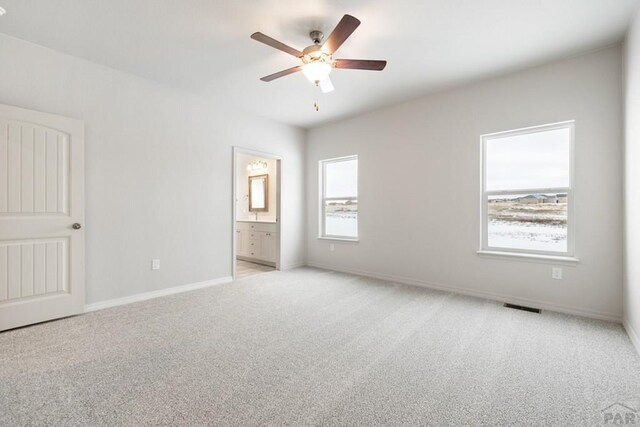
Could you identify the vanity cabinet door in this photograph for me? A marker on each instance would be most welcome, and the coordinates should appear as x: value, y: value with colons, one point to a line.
x: 268, y: 247
x: 242, y: 242
x: 240, y: 247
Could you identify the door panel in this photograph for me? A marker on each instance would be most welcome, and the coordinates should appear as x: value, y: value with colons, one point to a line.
x: 35, y: 179
x: 41, y: 197
x: 33, y: 268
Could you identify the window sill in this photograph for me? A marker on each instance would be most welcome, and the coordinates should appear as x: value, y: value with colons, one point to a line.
x: 339, y: 239
x: 514, y: 256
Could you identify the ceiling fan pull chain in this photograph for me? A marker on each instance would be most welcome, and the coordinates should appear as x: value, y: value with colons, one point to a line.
x: 316, y: 106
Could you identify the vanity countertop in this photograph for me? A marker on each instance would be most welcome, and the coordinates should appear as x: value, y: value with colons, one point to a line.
x: 260, y: 221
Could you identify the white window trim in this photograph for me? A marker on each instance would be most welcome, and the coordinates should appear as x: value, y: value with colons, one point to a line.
x: 568, y: 257
x: 517, y: 256
x: 322, y: 181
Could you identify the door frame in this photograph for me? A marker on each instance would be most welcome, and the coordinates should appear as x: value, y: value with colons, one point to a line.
x: 278, y: 159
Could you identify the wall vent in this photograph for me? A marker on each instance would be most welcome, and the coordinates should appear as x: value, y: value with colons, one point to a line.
x: 523, y: 308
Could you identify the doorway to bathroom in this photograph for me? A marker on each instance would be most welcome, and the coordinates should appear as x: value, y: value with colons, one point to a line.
x: 256, y: 212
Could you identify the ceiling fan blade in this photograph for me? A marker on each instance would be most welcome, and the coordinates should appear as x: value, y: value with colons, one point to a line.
x: 360, y: 64
x: 281, y: 73
x: 326, y: 86
x: 276, y: 44
x: 343, y: 30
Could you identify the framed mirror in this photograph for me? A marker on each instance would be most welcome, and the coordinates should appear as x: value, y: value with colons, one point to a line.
x: 259, y: 193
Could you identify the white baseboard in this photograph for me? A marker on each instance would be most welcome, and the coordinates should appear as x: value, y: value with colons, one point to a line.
x: 635, y: 339
x: 292, y: 266
x: 154, y: 294
x: 479, y: 294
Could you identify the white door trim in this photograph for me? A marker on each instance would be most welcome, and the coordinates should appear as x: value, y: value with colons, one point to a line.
x: 279, y: 160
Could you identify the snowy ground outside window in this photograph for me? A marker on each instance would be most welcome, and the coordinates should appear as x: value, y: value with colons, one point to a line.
x: 341, y: 218
x: 532, y: 222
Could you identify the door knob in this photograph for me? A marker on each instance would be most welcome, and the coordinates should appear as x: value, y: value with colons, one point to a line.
x: 76, y: 226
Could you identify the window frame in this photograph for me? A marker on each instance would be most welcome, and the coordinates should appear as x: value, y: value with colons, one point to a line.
x: 322, y: 168
x: 485, y: 249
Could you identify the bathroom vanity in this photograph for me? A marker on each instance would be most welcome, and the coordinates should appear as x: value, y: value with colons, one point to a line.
x: 256, y: 241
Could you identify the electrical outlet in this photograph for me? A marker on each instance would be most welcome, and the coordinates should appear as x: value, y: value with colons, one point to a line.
x: 332, y: 247
x: 155, y: 264
x: 556, y: 273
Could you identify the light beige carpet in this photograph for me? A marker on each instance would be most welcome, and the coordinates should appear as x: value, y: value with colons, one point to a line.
x: 311, y: 347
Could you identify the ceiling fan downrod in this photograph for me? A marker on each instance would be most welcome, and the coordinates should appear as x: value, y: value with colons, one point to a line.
x: 316, y: 36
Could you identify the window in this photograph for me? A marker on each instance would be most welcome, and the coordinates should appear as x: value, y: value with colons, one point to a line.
x: 339, y: 192
x: 527, y: 195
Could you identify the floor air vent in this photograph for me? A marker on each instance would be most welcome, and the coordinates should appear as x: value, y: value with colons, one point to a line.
x: 523, y: 308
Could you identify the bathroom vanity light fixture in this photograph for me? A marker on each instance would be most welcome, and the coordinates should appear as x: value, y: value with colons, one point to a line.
x: 257, y: 165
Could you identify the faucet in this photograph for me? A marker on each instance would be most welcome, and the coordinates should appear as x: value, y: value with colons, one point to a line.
x: 256, y: 215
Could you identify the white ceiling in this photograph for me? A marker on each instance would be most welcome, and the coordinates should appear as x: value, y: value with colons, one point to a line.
x: 204, y: 46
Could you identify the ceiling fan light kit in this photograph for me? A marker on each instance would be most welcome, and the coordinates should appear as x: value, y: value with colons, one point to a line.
x: 316, y: 71
x: 317, y: 64
x: 317, y: 60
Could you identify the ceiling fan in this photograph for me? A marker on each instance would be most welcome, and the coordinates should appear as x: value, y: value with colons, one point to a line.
x: 317, y: 60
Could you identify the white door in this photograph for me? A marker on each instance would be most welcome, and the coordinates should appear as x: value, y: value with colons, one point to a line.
x: 41, y: 217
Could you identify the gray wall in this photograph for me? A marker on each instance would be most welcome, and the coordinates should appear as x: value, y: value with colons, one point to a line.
x: 632, y: 184
x: 419, y: 186
x: 158, y: 163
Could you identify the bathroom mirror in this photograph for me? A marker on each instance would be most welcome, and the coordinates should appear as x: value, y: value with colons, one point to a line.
x: 259, y: 193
